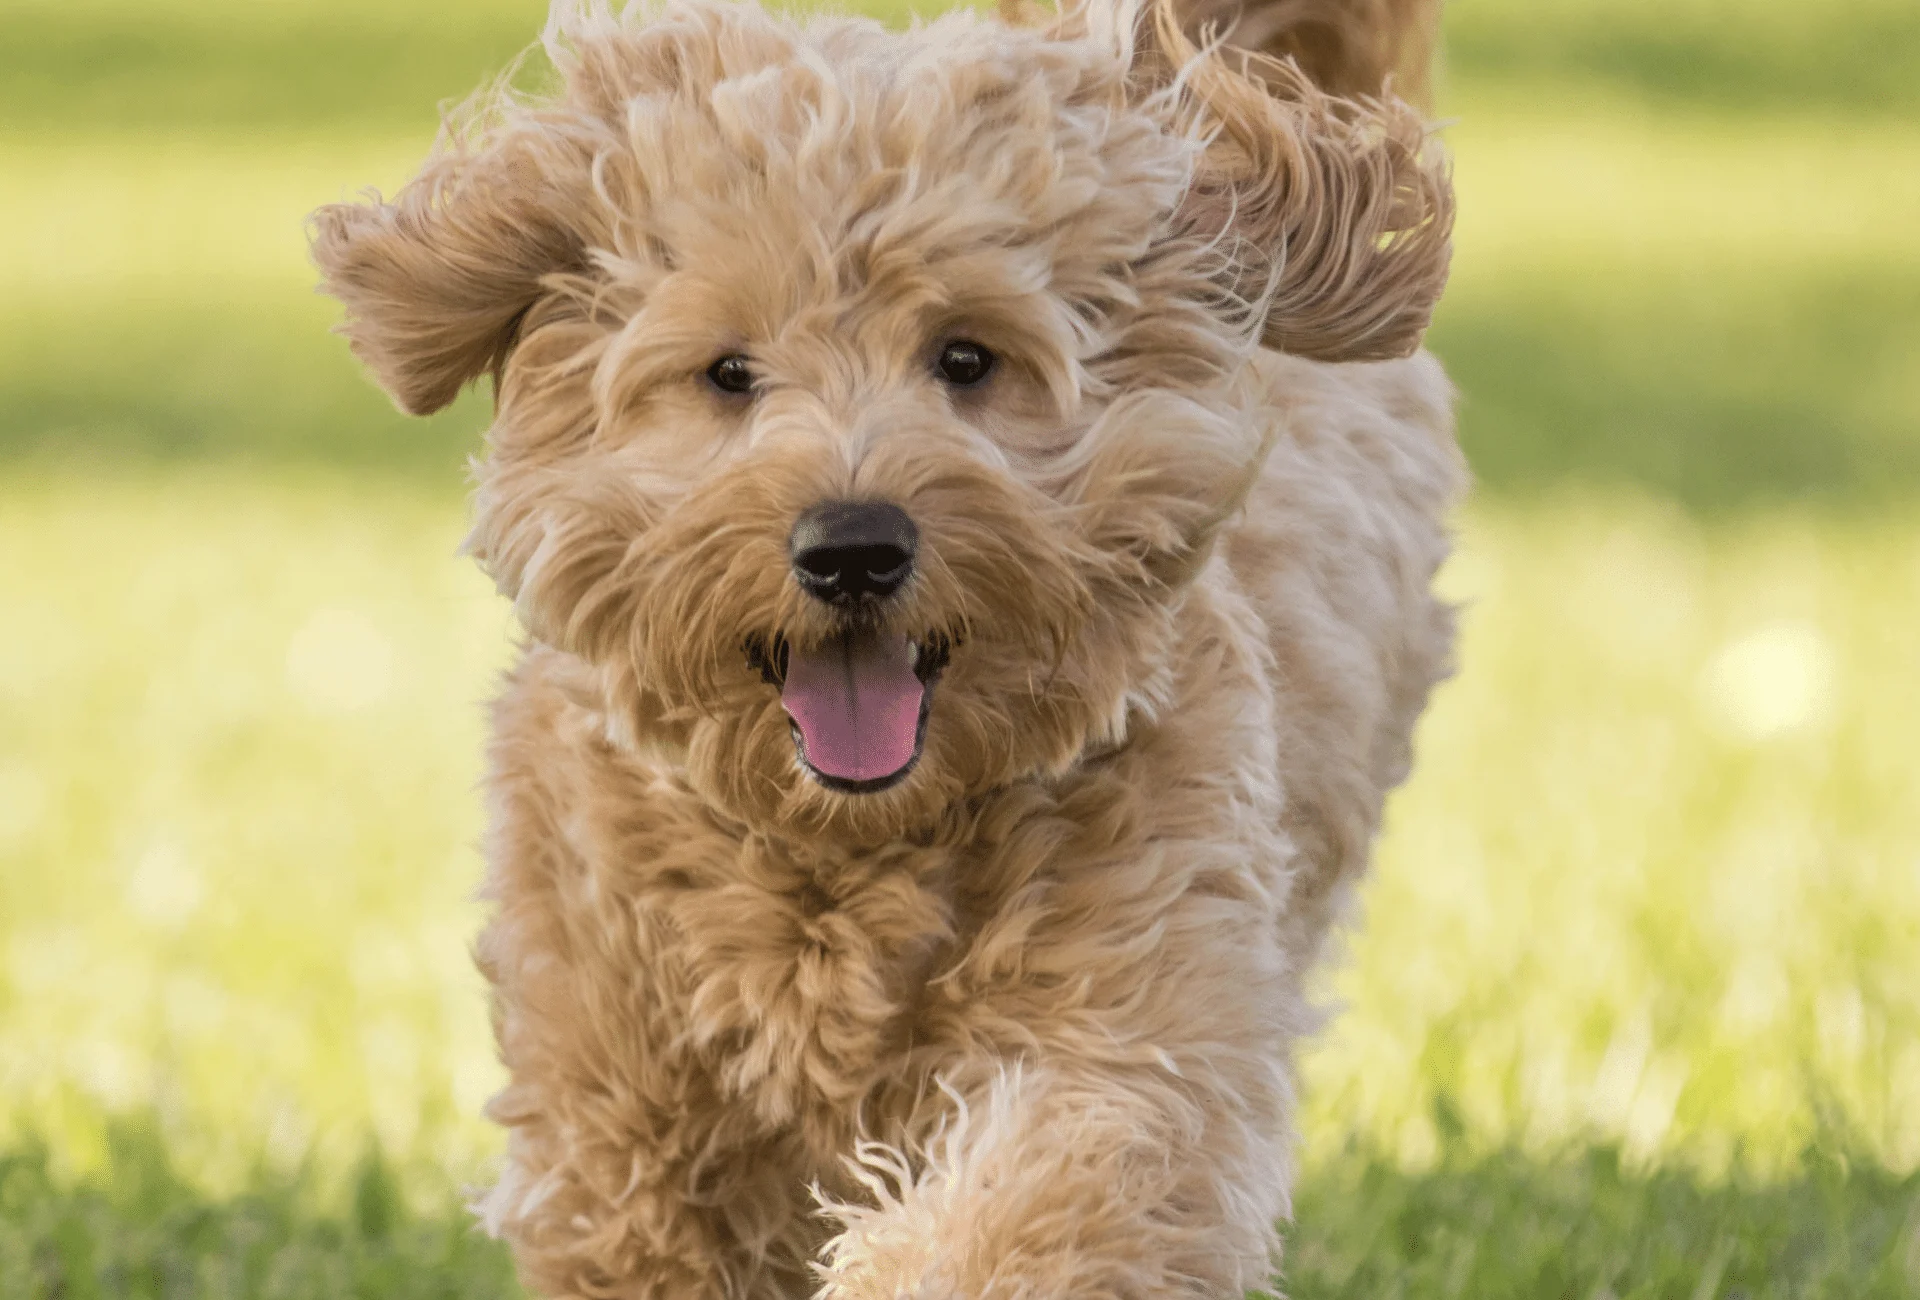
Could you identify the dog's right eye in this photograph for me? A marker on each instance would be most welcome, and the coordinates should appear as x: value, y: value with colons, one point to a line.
x: 964, y: 363
x: 732, y: 373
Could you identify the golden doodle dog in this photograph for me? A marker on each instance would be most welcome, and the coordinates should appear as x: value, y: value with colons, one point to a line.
x: 971, y: 494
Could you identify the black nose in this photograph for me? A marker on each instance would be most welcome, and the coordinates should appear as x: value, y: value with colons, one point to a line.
x: 845, y: 551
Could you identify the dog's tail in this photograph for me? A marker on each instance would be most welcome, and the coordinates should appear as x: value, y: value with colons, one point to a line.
x: 1347, y: 47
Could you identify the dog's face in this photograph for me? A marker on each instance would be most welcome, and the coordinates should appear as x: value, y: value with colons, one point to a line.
x: 865, y: 400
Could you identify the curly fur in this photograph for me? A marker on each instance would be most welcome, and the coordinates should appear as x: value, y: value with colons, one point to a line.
x: 1021, y: 1025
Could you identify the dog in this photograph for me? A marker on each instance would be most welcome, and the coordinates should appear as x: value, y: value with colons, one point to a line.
x: 971, y: 494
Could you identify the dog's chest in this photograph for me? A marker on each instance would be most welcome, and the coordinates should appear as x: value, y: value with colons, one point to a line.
x: 802, y: 977
x: 820, y: 991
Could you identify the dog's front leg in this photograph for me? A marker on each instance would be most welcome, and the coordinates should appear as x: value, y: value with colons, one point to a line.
x: 1042, y: 1183
x: 592, y: 1214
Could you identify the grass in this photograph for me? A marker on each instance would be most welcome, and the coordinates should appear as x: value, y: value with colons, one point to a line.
x: 1493, y: 1225
x: 1506, y: 1224
x: 1851, y: 59
x: 140, y: 1230
x: 1635, y: 1009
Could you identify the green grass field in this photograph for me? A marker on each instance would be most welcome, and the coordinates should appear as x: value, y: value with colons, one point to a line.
x: 1635, y: 1008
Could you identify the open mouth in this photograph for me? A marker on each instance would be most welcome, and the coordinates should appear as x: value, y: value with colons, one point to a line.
x: 857, y: 704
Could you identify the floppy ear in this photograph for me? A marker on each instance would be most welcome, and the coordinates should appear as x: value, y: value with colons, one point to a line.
x: 435, y: 282
x: 1346, y: 47
x: 1335, y: 215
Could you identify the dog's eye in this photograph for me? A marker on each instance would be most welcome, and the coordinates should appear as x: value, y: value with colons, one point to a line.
x: 732, y: 373
x: 963, y: 363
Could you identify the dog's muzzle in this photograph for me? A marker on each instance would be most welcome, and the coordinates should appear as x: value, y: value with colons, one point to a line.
x: 858, y: 702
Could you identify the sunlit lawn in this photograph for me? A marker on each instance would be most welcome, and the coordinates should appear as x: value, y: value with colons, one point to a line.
x: 1635, y: 1006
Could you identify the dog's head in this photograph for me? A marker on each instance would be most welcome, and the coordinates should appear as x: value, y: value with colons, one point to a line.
x: 866, y: 399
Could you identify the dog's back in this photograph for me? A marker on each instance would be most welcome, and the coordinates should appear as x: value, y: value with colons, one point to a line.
x: 1344, y: 529
x: 1336, y: 551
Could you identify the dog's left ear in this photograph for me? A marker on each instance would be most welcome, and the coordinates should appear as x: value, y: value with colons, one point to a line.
x: 1333, y: 215
x: 435, y: 282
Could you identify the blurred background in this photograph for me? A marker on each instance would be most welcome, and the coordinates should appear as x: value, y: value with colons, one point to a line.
x: 1635, y: 1009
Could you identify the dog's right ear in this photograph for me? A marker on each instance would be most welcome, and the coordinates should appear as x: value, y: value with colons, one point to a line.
x: 1329, y: 215
x: 436, y: 281
x: 1334, y: 215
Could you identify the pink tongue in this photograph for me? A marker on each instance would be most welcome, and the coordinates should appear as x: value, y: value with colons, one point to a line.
x: 857, y: 704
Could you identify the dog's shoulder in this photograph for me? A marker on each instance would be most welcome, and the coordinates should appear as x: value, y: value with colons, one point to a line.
x: 1363, y: 462
x: 1375, y: 408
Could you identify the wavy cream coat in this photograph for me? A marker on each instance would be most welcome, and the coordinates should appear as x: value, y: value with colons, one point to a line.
x: 1022, y: 1025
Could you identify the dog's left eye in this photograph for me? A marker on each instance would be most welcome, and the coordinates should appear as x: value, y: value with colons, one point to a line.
x: 732, y: 373
x: 964, y: 363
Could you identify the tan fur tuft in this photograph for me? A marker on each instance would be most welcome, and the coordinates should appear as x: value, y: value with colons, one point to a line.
x: 435, y: 282
x: 1340, y: 211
